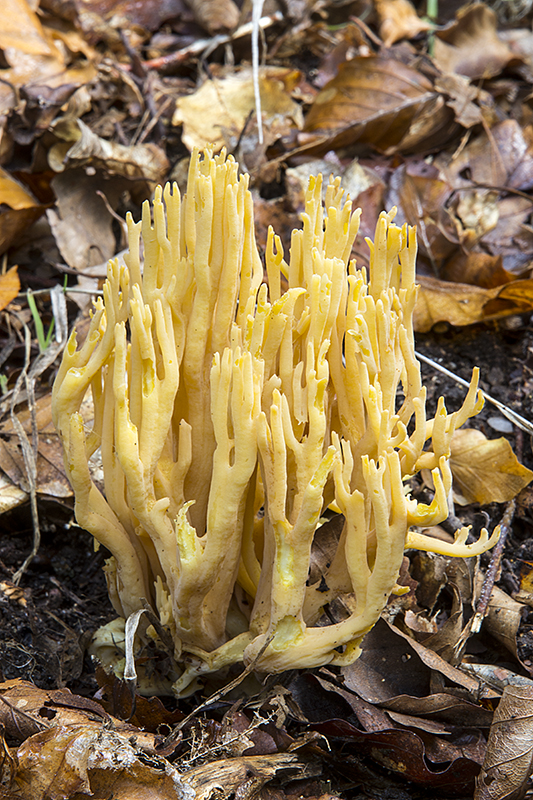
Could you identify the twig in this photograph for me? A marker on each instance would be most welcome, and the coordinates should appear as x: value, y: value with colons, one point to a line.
x: 511, y: 415
x: 198, y: 47
x: 494, y: 568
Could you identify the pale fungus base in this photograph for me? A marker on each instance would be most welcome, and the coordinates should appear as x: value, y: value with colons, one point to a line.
x: 230, y: 412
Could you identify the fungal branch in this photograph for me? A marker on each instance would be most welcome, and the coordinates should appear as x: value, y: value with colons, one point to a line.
x: 230, y: 413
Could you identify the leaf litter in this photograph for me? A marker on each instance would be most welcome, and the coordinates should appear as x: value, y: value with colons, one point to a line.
x: 98, y: 103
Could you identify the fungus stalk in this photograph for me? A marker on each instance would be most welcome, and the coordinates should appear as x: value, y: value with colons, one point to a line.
x: 231, y: 411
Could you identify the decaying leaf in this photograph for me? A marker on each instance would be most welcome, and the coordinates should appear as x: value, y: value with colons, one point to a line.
x: 477, y: 269
x: 88, y: 760
x: 228, y: 777
x: 217, y: 112
x: 10, y: 494
x: 509, y: 756
x: 486, y: 470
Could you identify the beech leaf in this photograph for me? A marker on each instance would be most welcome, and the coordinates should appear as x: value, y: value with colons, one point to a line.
x: 486, y: 470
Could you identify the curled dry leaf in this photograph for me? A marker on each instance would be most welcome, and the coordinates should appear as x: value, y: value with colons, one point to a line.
x: 486, y: 470
x: 376, y: 101
x: 509, y: 756
x: 215, y: 15
x: 471, y: 46
x: 469, y: 103
x: 443, y: 301
x: 398, y: 20
x: 503, y: 619
x: 78, y: 146
x: 217, y: 112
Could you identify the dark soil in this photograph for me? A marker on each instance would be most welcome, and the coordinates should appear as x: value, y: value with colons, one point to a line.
x: 45, y: 628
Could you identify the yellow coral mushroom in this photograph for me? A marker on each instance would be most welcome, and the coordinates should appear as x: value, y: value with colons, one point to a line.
x: 229, y: 413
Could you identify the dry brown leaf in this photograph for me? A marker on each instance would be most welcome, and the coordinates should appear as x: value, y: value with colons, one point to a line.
x: 477, y: 269
x: 422, y: 195
x: 32, y: 55
x: 18, y: 210
x: 462, y: 97
x: 51, y: 478
x: 509, y: 755
x: 217, y: 112
x: 471, y: 46
x: 104, y: 19
x: 215, y: 15
x: 461, y: 304
x: 513, y: 298
x: 398, y: 20
x: 503, y: 619
x: 375, y: 101
x: 84, y: 240
x: 525, y: 593
x: 442, y: 301
x: 503, y: 157
x: 78, y: 146
x: 486, y: 470
x: 9, y: 286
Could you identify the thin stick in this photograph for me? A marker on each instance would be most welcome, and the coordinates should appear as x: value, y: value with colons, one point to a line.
x: 494, y: 568
x: 196, y: 48
x: 511, y: 415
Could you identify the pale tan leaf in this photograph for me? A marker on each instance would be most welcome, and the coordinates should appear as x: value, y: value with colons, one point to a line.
x: 217, y: 112
x: 486, y: 470
x: 21, y: 32
x: 443, y: 301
